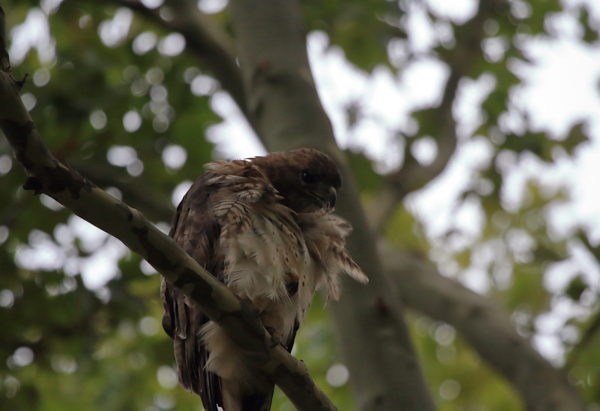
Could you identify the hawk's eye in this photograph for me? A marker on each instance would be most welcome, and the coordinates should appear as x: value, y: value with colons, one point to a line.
x: 308, y: 177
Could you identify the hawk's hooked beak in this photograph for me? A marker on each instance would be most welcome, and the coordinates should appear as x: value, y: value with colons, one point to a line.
x: 331, y: 197
x: 326, y: 195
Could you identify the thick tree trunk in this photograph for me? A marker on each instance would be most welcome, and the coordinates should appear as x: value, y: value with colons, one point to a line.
x: 286, y: 110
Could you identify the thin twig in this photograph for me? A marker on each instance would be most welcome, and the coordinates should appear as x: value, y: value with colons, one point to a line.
x: 413, y: 176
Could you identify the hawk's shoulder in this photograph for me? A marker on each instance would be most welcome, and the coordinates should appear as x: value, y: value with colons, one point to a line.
x: 240, y: 191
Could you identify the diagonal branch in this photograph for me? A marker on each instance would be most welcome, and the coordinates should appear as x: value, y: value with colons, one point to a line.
x: 211, y: 45
x: 485, y: 326
x: 139, y: 195
x: 240, y: 320
x: 413, y: 176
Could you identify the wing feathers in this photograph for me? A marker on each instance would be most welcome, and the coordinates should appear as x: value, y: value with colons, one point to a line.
x: 232, y: 221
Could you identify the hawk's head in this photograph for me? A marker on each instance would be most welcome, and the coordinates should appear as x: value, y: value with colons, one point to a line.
x: 306, y: 178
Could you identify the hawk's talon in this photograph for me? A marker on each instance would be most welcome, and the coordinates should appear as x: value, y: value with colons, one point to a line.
x: 275, y: 339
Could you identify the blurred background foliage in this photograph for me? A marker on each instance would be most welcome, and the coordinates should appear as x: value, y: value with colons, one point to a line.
x: 131, y: 109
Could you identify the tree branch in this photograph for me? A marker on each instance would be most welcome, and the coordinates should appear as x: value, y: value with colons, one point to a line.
x: 240, y: 320
x: 413, y: 176
x: 385, y: 373
x: 156, y: 208
x: 211, y: 45
x: 4, y: 59
x: 485, y: 326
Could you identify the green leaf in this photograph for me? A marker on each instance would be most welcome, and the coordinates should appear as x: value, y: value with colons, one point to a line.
x: 576, y: 288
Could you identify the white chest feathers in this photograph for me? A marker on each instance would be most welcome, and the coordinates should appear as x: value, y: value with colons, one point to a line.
x: 268, y: 259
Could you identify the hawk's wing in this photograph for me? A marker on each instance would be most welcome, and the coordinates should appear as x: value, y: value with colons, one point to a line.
x: 218, y: 206
x: 197, y: 231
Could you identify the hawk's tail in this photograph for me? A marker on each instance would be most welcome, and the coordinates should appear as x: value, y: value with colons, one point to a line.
x: 258, y: 401
x: 235, y: 399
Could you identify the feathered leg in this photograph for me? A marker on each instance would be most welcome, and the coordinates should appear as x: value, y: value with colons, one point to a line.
x: 232, y: 396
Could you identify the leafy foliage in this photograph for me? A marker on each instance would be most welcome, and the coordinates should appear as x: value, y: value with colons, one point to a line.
x: 131, y: 119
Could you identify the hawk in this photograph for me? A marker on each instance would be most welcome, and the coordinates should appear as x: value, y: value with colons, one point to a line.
x: 264, y: 227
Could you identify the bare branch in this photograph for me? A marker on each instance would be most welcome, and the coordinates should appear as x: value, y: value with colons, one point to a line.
x: 239, y: 319
x: 384, y: 370
x: 156, y: 208
x: 412, y: 175
x: 486, y: 327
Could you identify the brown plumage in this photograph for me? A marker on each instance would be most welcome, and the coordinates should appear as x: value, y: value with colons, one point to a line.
x: 264, y: 227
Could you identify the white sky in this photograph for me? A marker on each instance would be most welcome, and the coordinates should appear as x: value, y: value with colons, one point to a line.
x: 558, y: 90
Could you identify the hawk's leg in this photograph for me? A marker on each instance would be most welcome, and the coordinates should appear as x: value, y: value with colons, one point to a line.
x: 276, y: 338
x: 271, y: 319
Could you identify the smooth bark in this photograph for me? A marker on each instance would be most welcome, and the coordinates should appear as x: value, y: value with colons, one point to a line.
x: 282, y: 98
